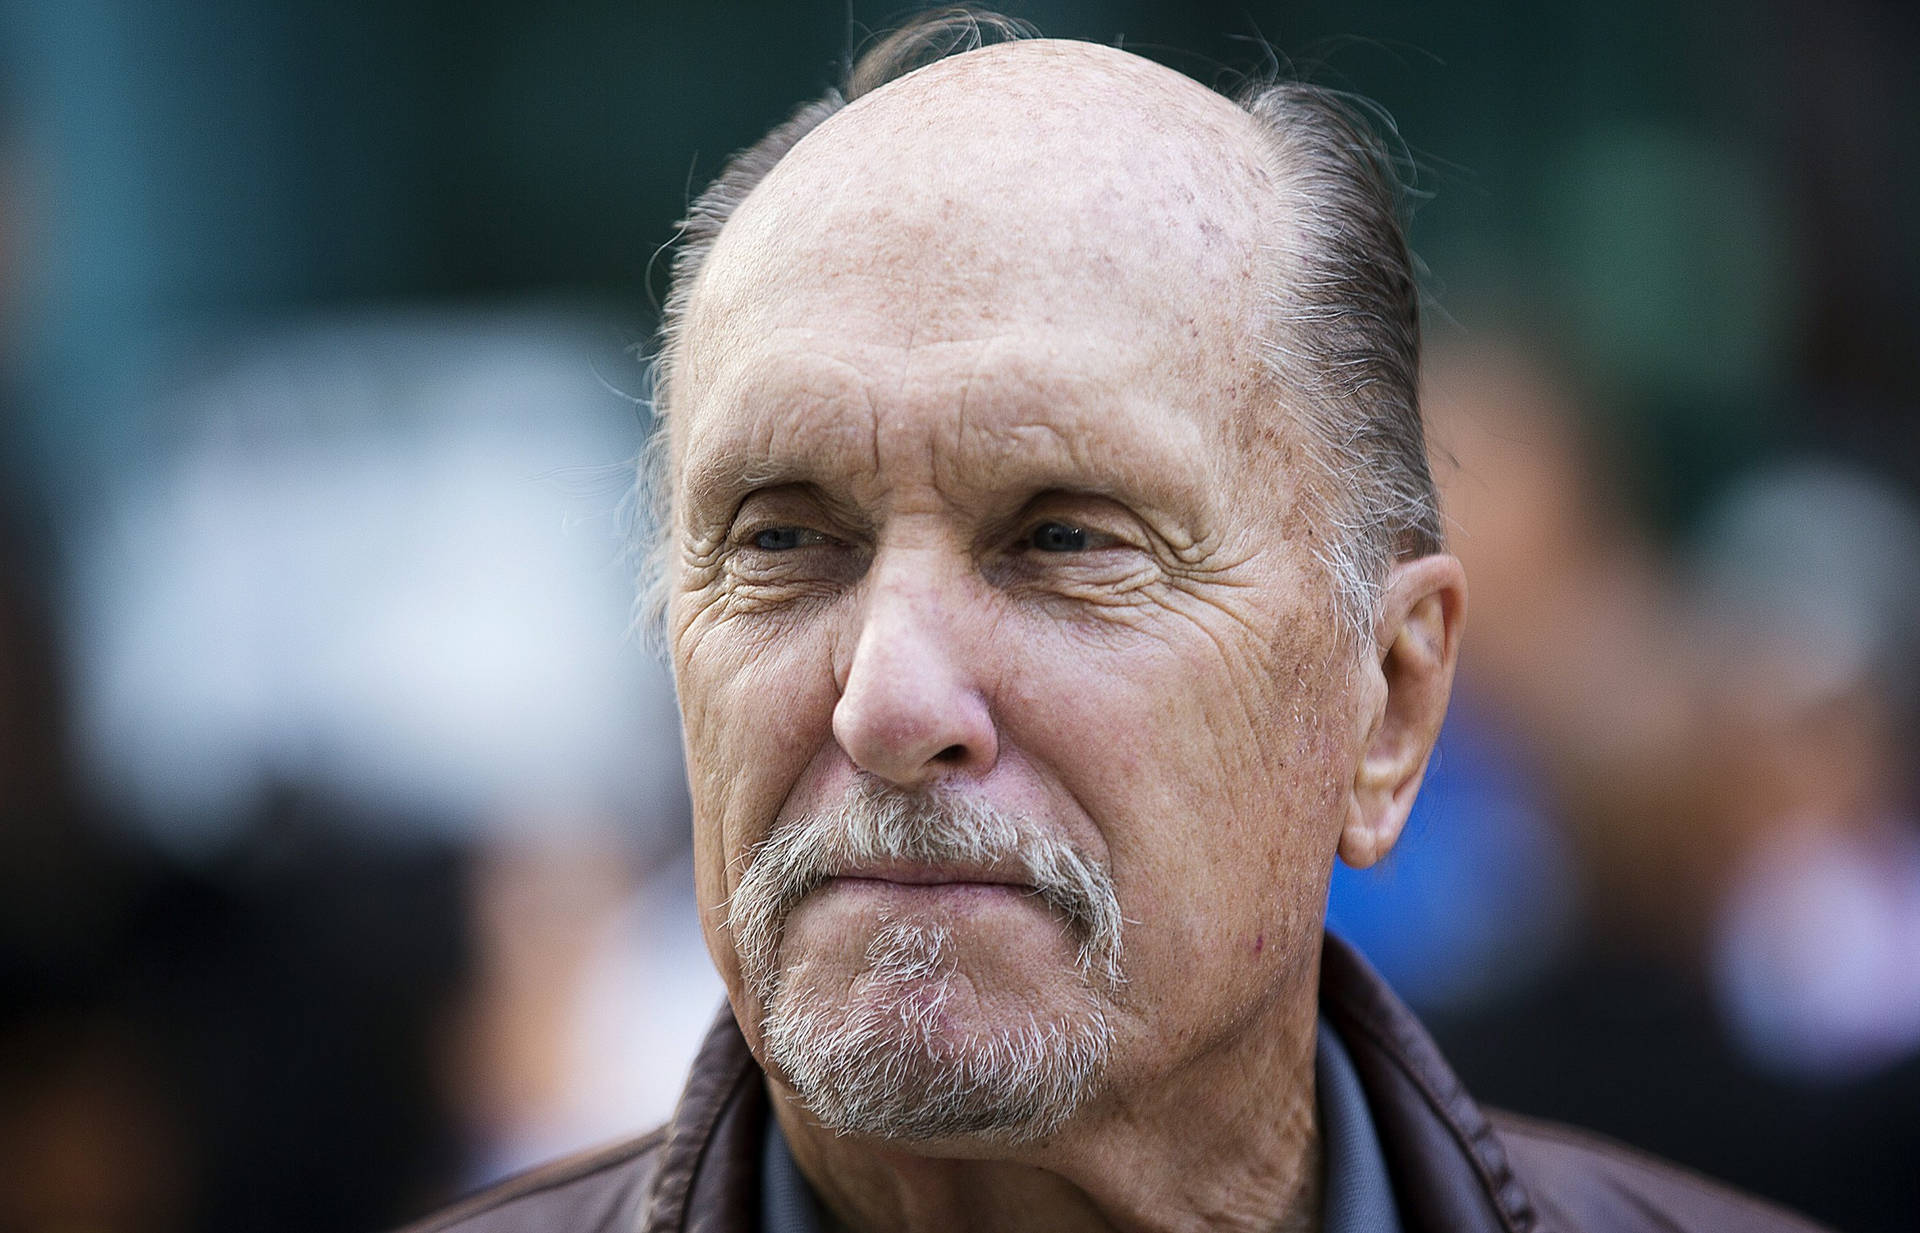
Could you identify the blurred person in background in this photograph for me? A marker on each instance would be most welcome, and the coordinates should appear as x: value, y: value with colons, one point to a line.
x: 387, y: 565
x: 1807, y: 578
x: 1577, y: 651
x: 1710, y: 732
x: 210, y: 1044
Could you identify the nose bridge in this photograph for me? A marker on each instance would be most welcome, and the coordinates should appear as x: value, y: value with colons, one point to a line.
x: 912, y: 706
x: 905, y: 589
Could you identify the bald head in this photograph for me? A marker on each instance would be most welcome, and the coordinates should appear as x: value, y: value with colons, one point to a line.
x: 1035, y: 160
x: 1254, y: 242
x: 937, y: 209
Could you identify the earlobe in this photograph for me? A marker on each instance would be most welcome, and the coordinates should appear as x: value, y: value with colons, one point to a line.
x: 1421, y: 617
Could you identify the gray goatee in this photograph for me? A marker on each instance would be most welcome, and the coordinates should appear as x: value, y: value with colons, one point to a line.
x: 881, y: 1062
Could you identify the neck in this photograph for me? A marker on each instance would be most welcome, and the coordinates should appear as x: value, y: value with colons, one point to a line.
x: 1228, y: 1141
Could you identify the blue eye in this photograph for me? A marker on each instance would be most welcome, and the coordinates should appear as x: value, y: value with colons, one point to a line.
x: 779, y: 539
x: 1057, y: 537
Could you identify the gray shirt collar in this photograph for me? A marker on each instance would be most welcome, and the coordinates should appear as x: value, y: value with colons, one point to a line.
x: 787, y: 1202
x: 1358, y: 1196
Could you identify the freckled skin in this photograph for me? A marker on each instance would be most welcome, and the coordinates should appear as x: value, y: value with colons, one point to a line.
x: 1016, y: 289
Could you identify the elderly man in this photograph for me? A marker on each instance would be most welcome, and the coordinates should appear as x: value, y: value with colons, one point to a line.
x: 1054, y: 587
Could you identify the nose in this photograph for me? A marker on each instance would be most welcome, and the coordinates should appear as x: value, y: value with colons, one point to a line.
x: 911, y: 710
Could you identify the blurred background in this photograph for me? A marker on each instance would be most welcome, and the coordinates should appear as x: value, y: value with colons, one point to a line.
x: 342, y: 841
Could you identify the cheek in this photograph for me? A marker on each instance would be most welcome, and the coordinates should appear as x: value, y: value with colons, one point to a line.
x: 755, y: 715
x: 1210, y: 763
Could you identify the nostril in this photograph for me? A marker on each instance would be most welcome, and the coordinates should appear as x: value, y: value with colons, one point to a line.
x: 952, y: 753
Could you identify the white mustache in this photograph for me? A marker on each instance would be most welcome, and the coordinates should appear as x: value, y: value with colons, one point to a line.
x: 879, y: 824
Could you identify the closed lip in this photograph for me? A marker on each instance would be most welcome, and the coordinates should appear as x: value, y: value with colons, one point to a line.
x: 937, y: 875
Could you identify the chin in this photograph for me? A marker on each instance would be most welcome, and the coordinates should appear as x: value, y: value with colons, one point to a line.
x: 908, y: 1052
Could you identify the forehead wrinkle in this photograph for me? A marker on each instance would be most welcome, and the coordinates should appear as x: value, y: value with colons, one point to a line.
x: 997, y: 417
x: 825, y: 410
x: 1039, y: 438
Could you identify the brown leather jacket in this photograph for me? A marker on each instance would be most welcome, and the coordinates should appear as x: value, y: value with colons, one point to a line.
x: 1456, y: 1168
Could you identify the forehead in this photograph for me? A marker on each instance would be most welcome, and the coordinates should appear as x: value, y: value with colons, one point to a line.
x: 1020, y: 213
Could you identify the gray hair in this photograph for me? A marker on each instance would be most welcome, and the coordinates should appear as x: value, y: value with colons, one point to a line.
x: 877, y: 1064
x: 1343, y: 333
x: 880, y: 824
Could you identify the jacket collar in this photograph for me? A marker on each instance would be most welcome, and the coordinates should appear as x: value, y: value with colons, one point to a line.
x: 1449, y: 1171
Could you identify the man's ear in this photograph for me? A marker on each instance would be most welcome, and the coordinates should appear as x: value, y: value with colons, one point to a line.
x: 1416, y: 644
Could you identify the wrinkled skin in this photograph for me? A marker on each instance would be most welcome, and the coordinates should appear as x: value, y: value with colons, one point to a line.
x: 966, y: 498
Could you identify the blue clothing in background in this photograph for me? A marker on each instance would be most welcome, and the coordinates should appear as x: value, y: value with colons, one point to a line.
x: 1477, y: 895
